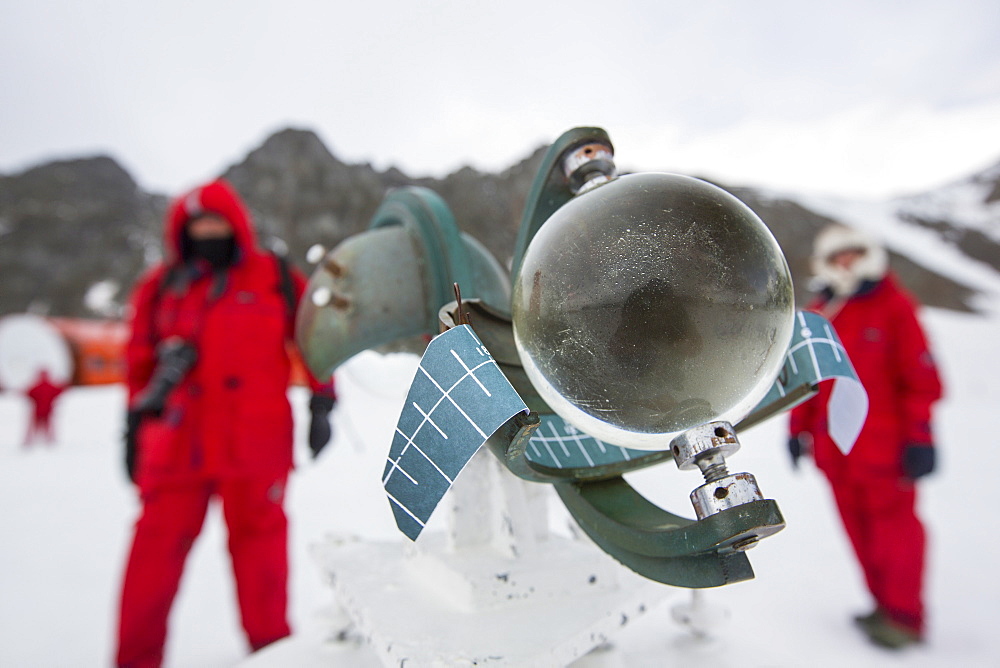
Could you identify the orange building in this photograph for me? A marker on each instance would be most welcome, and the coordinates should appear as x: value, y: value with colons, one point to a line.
x: 97, y: 347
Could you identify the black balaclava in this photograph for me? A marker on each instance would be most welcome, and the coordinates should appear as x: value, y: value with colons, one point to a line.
x: 218, y: 253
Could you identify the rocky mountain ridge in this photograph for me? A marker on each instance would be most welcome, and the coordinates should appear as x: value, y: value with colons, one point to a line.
x: 74, y: 235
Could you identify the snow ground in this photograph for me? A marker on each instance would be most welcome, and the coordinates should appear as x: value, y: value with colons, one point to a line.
x: 67, y: 513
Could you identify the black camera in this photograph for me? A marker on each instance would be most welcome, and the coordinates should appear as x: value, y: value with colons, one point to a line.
x: 174, y: 358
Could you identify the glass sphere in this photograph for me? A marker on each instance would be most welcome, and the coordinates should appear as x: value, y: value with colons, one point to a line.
x: 650, y: 305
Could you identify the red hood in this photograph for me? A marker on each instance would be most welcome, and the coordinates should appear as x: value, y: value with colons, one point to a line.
x: 217, y: 197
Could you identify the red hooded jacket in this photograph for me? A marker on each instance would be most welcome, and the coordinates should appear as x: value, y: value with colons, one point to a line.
x: 881, y: 333
x: 230, y: 414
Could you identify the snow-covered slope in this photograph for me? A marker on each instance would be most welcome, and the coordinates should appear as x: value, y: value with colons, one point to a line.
x: 924, y: 246
x: 972, y: 203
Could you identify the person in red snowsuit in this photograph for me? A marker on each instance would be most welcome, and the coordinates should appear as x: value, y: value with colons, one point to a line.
x: 873, y: 485
x: 209, y: 417
x: 43, y: 395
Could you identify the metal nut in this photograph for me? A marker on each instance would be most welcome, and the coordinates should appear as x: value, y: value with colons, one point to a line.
x: 710, y: 438
x: 724, y: 493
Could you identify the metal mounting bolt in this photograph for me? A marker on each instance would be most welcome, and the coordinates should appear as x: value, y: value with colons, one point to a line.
x: 705, y: 447
x: 588, y: 166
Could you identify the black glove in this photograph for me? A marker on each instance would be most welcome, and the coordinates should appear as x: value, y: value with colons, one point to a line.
x: 797, y: 446
x: 320, y: 429
x: 918, y: 460
x: 132, y: 420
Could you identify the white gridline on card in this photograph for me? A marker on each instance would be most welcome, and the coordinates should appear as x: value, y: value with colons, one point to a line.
x: 811, y: 343
x: 561, y: 440
x: 445, y: 394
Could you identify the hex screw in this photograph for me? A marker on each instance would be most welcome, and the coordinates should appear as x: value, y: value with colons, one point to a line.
x: 706, y: 447
x: 745, y: 544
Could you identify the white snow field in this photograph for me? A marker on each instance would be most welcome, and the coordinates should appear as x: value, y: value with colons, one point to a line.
x: 67, y: 512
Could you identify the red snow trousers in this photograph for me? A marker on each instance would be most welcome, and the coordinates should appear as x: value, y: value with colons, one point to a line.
x: 880, y: 519
x: 170, y: 520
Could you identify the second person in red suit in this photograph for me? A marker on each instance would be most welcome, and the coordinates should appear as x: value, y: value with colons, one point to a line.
x: 874, y: 485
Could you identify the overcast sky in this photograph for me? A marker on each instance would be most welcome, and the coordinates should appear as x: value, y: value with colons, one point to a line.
x: 852, y: 98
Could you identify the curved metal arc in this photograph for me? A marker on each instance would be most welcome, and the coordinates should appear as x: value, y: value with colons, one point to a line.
x: 343, y: 312
x: 550, y: 189
x: 653, y: 542
x: 665, y: 547
x: 415, y: 250
x: 626, y: 517
x: 425, y: 212
x: 695, y: 571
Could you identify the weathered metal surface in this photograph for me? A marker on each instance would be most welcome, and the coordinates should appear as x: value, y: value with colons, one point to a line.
x: 381, y: 287
x: 551, y: 187
x: 663, y: 546
x: 387, y: 283
x: 725, y: 493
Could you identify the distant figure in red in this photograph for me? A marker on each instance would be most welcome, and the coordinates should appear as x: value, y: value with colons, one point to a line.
x: 43, y: 395
x: 209, y: 418
x: 874, y: 485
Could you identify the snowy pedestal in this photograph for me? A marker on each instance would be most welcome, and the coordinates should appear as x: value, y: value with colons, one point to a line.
x: 424, y: 605
x: 495, y: 588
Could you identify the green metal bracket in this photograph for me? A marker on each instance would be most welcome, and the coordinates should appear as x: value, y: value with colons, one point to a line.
x: 665, y: 547
x: 423, y: 212
x: 651, y: 541
x: 551, y: 188
x: 386, y: 284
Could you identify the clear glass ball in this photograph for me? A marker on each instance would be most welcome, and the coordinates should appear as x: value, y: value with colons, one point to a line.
x: 650, y: 305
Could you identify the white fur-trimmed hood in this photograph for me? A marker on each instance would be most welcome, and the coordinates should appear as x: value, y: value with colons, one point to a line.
x: 872, y: 266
